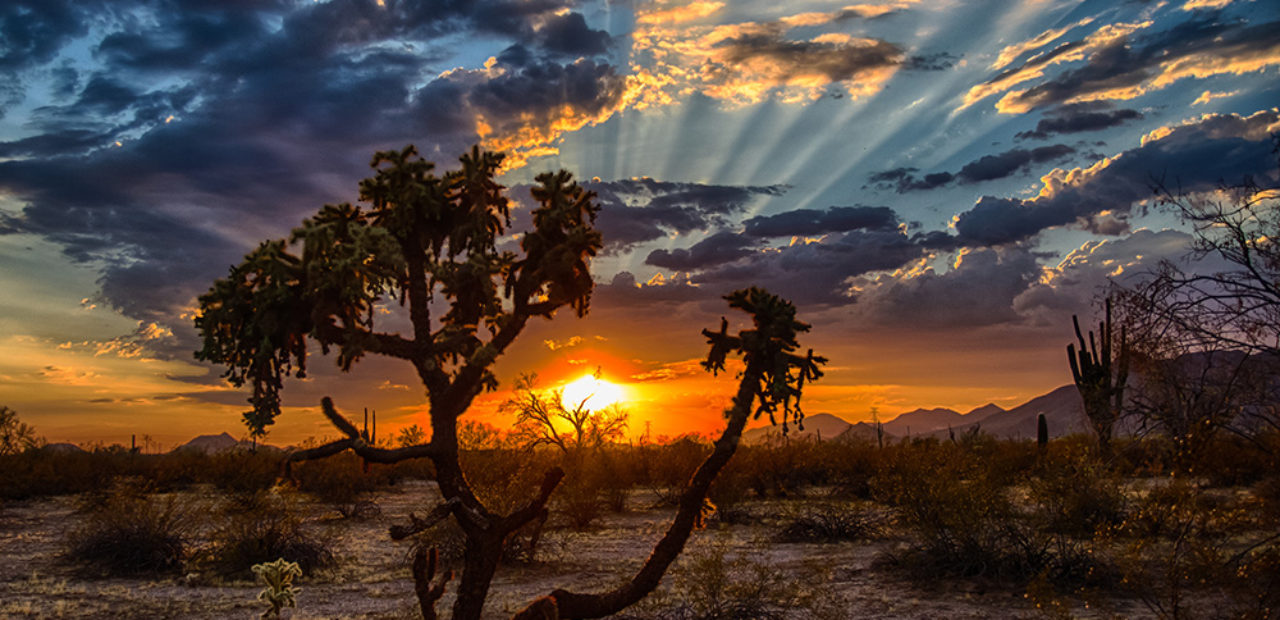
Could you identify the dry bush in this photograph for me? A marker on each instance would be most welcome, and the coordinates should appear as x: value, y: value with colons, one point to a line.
x: 127, y: 531
x: 668, y: 467
x: 1074, y: 493
x: 262, y: 531
x: 242, y: 472
x: 340, y: 482
x: 708, y: 584
x: 827, y: 522
x: 964, y: 524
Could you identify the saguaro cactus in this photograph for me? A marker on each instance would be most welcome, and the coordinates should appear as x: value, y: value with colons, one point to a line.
x: 1100, y: 376
x: 1042, y: 432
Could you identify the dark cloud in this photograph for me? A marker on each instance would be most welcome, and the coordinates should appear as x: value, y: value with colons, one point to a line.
x: 1079, y: 117
x: 1195, y: 156
x: 33, y: 31
x: 815, y: 272
x: 834, y: 60
x: 812, y: 222
x: 904, y: 179
x: 979, y: 290
x: 1126, y: 65
x: 939, y: 61
x: 54, y: 143
x: 985, y: 168
x: 1008, y: 163
x: 276, y: 109
x: 569, y: 34
x: 720, y: 248
x: 635, y: 211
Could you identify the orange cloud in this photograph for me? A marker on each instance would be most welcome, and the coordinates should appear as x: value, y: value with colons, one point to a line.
x: 1034, y: 68
x: 679, y: 14
x: 1012, y: 52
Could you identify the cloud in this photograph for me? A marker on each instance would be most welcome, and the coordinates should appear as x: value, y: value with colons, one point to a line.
x: 1194, y: 156
x: 813, y: 222
x: 747, y: 62
x: 1207, y: 96
x: 1079, y: 117
x: 640, y: 210
x: 211, y: 158
x: 978, y: 290
x: 814, y: 272
x: 1120, y: 68
x: 720, y: 248
x: 678, y: 14
x: 1071, y: 286
x: 985, y: 168
x: 1011, y: 52
x: 556, y: 345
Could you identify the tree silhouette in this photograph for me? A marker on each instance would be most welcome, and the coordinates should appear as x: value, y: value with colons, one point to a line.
x: 431, y: 238
x: 429, y: 243
x: 537, y: 415
x: 771, y: 383
x: 15, y: 435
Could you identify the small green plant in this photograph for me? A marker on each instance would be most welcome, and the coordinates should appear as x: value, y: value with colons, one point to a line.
x: 279, y: 593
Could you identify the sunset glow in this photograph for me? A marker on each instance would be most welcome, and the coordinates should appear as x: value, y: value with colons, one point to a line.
x: 591, y: 393
x: 937, y: 186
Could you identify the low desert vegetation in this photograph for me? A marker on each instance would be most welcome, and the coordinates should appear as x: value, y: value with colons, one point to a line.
x: 1061, y: 524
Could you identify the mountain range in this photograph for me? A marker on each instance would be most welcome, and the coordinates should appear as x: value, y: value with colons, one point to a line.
x: 1063, y: 410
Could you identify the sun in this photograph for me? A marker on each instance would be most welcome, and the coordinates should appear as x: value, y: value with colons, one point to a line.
x: 592, y: 392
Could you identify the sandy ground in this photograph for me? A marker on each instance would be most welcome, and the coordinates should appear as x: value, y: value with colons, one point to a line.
x: 371, y: 579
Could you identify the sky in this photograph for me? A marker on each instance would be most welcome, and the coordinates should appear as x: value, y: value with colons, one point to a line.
x: 937, y: 185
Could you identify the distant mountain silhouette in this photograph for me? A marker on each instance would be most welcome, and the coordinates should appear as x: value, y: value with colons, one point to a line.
x: 1063, y: 410
x: 818, y: 425
x: 62, y: 448
x: 210, y: 444
x: 923, y: 421
x: 983, y: 412
x: 213, y: 444
x: 863, y: 431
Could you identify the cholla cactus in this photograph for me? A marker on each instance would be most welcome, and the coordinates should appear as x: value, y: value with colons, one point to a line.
x: 279, y: 592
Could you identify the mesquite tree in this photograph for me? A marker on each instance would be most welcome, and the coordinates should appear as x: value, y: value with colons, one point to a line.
x: 429, y: 243
x: 771, y: 383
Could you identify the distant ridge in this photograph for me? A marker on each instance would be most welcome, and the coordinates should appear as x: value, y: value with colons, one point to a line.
x: 213, y: 444
x: 1063, y: 410
x: 818, y: 425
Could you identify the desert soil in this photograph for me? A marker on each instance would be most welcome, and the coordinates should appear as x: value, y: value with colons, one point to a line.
x: 371, y: 578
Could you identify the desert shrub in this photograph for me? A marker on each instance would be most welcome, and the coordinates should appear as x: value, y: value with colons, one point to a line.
x: 1227, y: 461
x: 782, y: 467
x: 1074, y: 493
x: 341, y: 482
x: 578, y: 498
x: 1255, y: 582
x: 39, y: 473
x: 830, y: 523
x: 963, y: 522
x: 241, y: 471
x: 852, y: 464
x: 667, y: 468
x: 1184, y: 546
x: 266, y: 531
x: 710, y: 585
x: 127, y: 531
